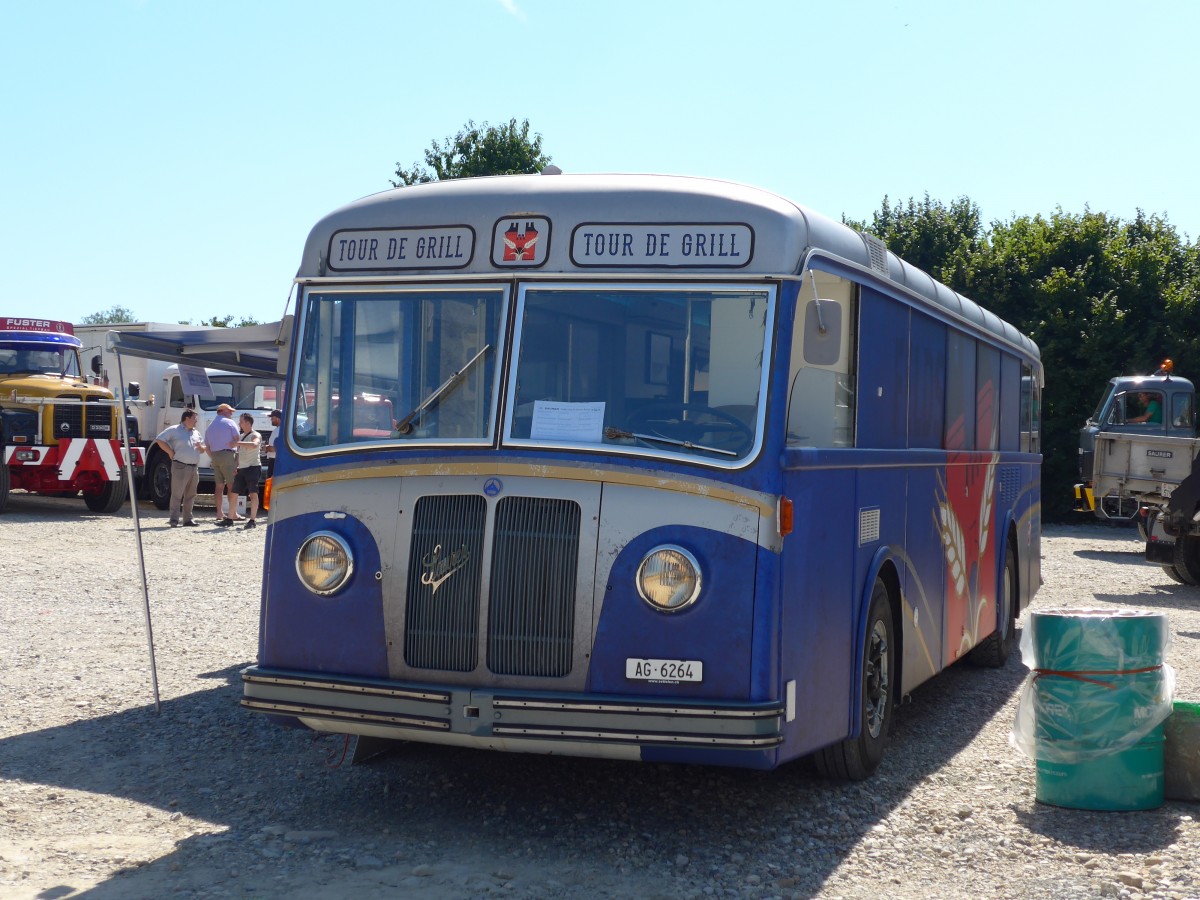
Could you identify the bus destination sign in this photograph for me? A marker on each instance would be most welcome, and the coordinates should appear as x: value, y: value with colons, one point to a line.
x: 442, y: 247
x: 662, y: 245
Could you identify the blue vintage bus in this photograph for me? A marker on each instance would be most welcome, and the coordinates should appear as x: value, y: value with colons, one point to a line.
x: 637, y: 466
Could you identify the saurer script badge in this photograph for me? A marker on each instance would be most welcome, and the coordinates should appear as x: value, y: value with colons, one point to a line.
x: 438, y: 567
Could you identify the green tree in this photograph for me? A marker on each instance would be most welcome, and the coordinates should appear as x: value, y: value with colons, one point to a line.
x: 112, y: 315
x: 476, y: 150
x: 931, y: 235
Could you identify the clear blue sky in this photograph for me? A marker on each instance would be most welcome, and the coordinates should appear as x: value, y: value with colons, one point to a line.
x: 171, y: 156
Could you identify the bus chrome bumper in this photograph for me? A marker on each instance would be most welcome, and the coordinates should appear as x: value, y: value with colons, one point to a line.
x: 507, y: 719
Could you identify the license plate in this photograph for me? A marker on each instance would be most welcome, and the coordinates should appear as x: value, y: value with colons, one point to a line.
x: 669, y: 670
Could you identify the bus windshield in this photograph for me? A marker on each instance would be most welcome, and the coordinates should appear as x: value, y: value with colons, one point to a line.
x: 417, y: 366
x: 669, y: 370
x: 662, y: 370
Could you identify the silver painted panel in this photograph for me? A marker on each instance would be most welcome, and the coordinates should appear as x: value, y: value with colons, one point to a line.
x: 630, y: 511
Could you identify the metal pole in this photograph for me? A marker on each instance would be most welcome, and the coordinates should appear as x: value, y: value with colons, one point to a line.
x: 133, y: 506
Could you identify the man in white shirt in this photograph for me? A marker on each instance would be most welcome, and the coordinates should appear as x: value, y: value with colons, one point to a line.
x: 183, y: 446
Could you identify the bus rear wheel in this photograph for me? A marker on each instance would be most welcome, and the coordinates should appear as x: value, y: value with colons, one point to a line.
x: 856, y: 758
x: 993, y: 651
x: 5, y: 484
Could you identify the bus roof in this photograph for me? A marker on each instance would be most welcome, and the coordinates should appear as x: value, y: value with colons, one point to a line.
x: 571, y: 225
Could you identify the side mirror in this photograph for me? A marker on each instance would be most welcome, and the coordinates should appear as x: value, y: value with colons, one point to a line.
x: 96, y: 365
x: 134, y: 390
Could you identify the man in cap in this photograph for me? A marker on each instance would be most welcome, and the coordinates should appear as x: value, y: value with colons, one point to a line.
x: 221, y: 438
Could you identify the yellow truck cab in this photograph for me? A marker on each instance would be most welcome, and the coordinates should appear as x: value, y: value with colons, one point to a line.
x: 59, y: 435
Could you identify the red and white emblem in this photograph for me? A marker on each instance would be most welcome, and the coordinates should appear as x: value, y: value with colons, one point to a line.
x: 521, y: 241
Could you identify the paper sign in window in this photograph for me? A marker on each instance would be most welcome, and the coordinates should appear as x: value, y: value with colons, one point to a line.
x: 557, y: 421
x: 195, y: 381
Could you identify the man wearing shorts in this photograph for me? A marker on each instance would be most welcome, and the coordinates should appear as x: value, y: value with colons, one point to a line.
x: 221, y: 438
x: 249, y: 468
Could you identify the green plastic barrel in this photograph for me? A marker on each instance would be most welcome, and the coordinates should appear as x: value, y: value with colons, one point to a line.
x: 1101, y: 693
x: 1181, y: 752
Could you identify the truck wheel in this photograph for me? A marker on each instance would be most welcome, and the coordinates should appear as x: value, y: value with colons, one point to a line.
x: 1187, y: 558
x: 858, y: 757
x: 993, y: 651
x: 1173, y: 573
x: 4, y: 486
x: 159, y: 481
x: 110, y: 498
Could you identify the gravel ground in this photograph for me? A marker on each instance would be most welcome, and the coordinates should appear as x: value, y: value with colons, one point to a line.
x: 100, y: 796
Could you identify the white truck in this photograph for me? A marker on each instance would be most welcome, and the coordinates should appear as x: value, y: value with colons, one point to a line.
x: 1157, y: 406
x: 1161, y: 476
x: 144, y: 378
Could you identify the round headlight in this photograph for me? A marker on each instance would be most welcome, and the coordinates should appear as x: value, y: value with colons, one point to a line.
x: 324, y: 563
x: 669, y: 579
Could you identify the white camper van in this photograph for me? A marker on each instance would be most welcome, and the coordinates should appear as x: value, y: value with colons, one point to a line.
x: 143, y: 378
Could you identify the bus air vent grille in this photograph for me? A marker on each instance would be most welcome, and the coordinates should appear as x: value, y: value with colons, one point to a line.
x: 876, y: 253
x: 442, y: 613
x: 1010, y: 483
x: 531, y: 607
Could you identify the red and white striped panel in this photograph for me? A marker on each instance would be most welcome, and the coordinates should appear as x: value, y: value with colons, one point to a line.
x: 75, y: 455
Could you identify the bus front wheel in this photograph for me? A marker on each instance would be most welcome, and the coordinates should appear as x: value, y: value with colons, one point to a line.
x: 858, y: 757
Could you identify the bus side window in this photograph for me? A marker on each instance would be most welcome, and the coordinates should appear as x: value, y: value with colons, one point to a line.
x: 821, y: 395
x: 961, y: 398
x: 1030, y: 410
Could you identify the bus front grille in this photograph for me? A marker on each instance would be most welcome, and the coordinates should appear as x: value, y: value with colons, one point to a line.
x: 444, y: 578
x: 532, y: 573
x: 531, y: 607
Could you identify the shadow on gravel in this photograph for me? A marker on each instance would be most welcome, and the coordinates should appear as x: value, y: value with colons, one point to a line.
x: 1094, y: 831
x: 679, y: 826
x: 1168, y: 595
x: 1121, y: 556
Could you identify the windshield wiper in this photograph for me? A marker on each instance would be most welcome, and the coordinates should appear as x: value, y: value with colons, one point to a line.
x: 612, y: 433
x: 404, y: 426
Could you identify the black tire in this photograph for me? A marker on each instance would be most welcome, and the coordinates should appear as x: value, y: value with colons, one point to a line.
x: 5, y: 484
x: 158, y: 481
x: 1173, y: 573
x: 1187, y: 558
x: 856, y: 758
x: 110, y: 498
x: 995, y: 649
